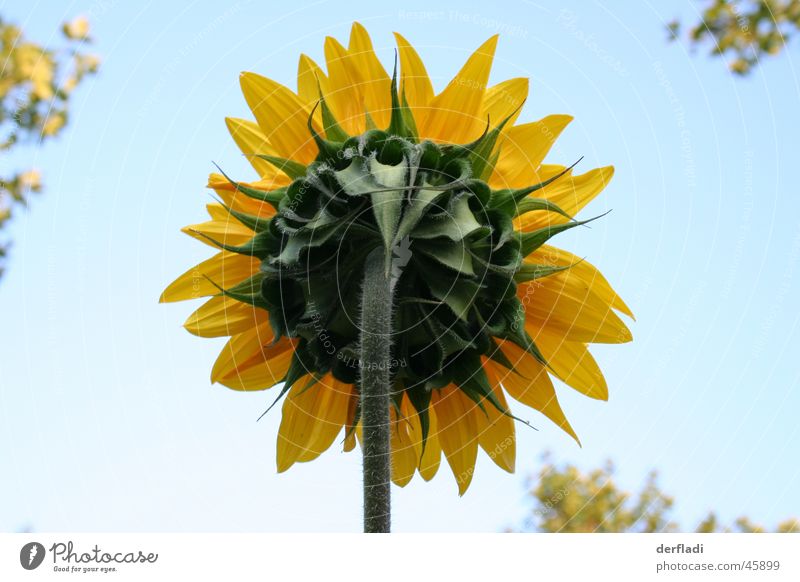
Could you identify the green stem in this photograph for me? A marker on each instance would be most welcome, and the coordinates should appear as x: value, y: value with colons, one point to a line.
x: 376, y: 345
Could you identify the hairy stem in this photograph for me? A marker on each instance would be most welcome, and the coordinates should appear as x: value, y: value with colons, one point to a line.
x: 376, y: 344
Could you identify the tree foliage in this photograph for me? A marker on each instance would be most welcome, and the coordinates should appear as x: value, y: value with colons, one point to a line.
x: 36, y: 84
x: 743, y: 30
x: 566, y: 500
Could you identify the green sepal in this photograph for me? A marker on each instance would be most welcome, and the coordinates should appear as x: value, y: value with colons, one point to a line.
x: 471, y: 379
x: 415, y: 210
x: 408, y: 118
x: 289, y: 167
x: 457, y: 224
x: 509, y: 200
x: 328, y: 150
x: 297, y: 369
x: 532, y: 204
x: 531, y: 241
x: 260, y: 246
x: 448, y: 253
x: 272, y: 198
x: 458, y: 295
x: 481, y: 150
x: 401, y: 114
x: 248, y: 291
x: 530, y: 272
x: 295, y: 243
x: 522, y: 339
x: 497, y: 355
x: 255, y: 223
x: 387, y: 205
x: 356, y: 179
x: 333, y: 130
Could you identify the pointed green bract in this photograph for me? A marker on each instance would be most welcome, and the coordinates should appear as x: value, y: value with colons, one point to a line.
x: 289, y: 167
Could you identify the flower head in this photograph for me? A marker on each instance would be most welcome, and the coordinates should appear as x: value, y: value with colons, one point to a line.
x: 457, y: 196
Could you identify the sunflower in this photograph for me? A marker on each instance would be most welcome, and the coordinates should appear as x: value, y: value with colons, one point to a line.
x: 456, y: 194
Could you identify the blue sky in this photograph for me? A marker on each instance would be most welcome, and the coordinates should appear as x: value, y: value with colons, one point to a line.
x: 107, y: 418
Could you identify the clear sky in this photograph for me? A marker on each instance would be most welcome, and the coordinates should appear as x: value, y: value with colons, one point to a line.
x: 107, y: 418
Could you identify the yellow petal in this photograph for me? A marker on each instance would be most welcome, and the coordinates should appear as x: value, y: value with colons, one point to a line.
x: 252, y: 142
x: 217, y: 211
x: 572, y: 363
x: 582, y: 269
x: 240, y: 349
x: 571, y: 193
x: 298, y: 420
x: 414, y: 80
x: 239, y: 201
x: 522, y: 150
x: 496, y: 432
x: 457, y: 433
x: 225, y: 269
x: 505, y: 99
x: 406, y: 443
x: 350, y: 431
x: 228, y: 231
x: 375, y: 81
x: 455, y: 114
x: 222, y: 316
x: 344, y: 88
x: 263, y: 371
x: 331, y: 416
x: 310, y: 78
x: 282, y: 117
x: 432, y: 453
x: 564, y: 303
x: 530, y: 385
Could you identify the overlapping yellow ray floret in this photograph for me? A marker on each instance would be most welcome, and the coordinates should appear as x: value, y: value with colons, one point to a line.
x: 414, y: 81
x: 457, y: 432
x: 225, y: 269
x: 282, y: 117
x: 312, y: 417
x: 529, y: 384
x: 523, y: 148
x: 455, y: 114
